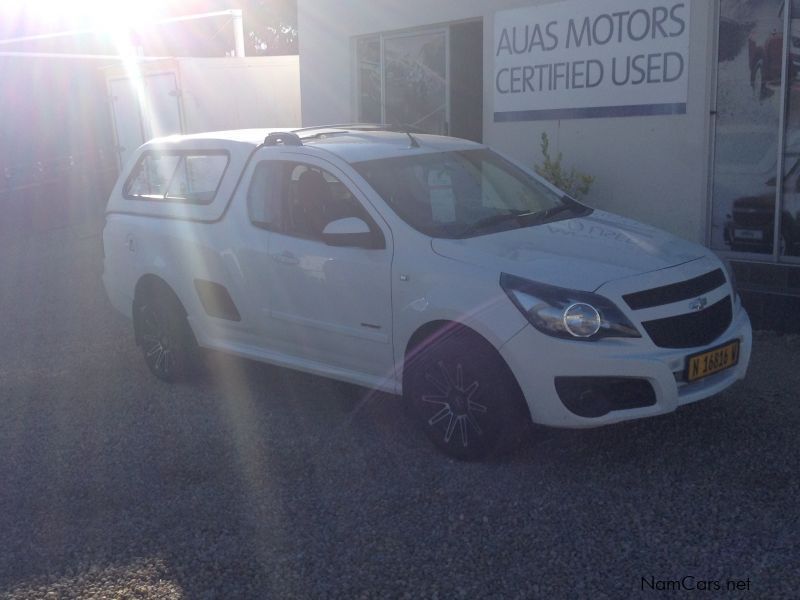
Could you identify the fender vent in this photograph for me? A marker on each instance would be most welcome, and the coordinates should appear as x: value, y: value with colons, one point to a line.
x: 216, y: 300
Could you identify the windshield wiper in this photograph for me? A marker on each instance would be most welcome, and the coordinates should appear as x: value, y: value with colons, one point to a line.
x: 548, y: 214
x: 498, y: 219
x: 524, y: 217
x: 568, y: 205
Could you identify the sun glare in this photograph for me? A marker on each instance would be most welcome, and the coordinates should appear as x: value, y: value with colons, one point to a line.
x: 101, y: 15
x: 116, y: 25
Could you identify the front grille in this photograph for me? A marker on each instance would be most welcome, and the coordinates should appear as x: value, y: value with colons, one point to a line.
x: 693, y: 329
x: 676, y: 292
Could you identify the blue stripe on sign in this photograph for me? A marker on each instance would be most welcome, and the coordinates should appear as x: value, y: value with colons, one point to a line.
x: 554, y: 114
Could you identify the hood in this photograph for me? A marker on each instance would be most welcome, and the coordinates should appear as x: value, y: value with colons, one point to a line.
x: 765, y: 203
x: 581, y: 253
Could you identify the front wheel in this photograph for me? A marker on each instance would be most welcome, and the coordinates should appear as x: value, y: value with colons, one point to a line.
x: 464, y: 396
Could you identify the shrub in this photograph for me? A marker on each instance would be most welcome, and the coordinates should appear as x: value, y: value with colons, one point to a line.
x: 574, y: 183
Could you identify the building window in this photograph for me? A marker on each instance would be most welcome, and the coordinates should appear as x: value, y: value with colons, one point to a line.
x: 429, y: 80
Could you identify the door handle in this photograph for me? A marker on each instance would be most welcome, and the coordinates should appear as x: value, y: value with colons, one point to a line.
x: 286, y: 258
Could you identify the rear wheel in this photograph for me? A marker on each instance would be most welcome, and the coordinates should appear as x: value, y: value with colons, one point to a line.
x: 167, y: 342
x: 464, y: 396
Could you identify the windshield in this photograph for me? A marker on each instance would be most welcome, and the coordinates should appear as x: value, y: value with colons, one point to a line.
x: 464, y: 194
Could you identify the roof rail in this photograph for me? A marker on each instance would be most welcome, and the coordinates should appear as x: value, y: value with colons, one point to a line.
x: 282, y: 138
x: 393, y: 127
x: 351, y: 126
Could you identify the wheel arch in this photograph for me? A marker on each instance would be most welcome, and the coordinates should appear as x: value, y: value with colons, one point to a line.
x: 151, y: 285
x: 432, y: 331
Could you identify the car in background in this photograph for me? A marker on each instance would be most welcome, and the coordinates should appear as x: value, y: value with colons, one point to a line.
x: 751, y: 225
x: 744, y: 190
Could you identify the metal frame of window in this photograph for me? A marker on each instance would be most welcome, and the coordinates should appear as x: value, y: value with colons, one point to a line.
x: 776, y: 236
x: 712, y: 159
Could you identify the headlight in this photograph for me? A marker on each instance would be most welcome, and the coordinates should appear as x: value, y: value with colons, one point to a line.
x: 582, y: 320
x: 564, y: 313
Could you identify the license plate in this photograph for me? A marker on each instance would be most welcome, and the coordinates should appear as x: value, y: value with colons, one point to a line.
x: 748, y: 234
x: 713, y: 361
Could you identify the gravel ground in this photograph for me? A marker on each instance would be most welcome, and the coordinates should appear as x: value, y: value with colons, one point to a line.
x: 258, y: 482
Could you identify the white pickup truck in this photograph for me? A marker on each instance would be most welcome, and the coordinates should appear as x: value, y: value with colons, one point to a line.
x: 420, y: 265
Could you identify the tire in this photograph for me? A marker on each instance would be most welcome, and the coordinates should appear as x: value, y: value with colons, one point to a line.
x: 463, y: 395
x: 162, y: 331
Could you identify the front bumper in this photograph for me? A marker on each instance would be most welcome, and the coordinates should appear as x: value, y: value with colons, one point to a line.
x: 536, y: 360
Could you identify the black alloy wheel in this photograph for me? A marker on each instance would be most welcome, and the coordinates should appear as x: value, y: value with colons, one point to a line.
x: 464, y: 396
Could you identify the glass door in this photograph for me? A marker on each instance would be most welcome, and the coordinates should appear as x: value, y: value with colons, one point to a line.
x: 748, y: 140
x: 756, y: 191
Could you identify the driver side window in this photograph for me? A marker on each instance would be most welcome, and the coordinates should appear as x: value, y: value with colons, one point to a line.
x: 299, y: 199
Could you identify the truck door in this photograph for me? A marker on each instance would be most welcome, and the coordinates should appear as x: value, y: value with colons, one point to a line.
x: 326, y: 303
x: 127, y: 118
x: 163, y: 111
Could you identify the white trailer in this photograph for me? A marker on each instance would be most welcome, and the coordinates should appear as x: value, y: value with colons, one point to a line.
x: 191, y: 95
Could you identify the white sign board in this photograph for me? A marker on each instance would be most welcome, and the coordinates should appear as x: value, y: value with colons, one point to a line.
x: 591, y: 58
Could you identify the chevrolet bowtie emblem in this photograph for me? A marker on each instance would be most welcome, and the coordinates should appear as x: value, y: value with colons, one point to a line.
x: 698, y: 304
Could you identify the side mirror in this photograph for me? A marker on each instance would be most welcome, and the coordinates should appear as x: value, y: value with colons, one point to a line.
x: 354, y: 232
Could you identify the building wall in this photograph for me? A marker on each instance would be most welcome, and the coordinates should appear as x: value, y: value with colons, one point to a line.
x: 654, y: 169
x: 260, y: 92
x: 193, y: 95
